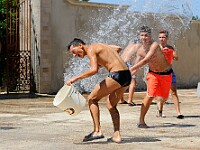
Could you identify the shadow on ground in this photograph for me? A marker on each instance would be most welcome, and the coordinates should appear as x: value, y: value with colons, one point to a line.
x: 124, y: 141
x: 174, y: 125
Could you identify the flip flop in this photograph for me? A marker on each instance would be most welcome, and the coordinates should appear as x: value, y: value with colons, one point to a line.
x: 131, y: 104
x: 124, y: 102
x: 142, y: 126
x: 110, y: 140
x: 91, y: 137
x: 161, y: 116
x: 180, y: 117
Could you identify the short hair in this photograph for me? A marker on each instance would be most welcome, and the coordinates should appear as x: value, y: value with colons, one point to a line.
x: 145, y: 29
x: 75, y: 42
x: 164, y: 32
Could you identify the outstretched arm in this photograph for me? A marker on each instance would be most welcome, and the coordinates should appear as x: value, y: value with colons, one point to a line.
x: 148, y: 56
x: 129, y: 52
x: 138, y: 58
x: 91, y: 71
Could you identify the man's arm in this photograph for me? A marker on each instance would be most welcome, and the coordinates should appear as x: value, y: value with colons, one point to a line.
x: 138, y: 58
x: 148, y: 56
x: 91, y: 71
x: 175, y: 56
x: 129, y: 52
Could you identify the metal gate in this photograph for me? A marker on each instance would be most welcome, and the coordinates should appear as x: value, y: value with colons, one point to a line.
x: 18, y: 46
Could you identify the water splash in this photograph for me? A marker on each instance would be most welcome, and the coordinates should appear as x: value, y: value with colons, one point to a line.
x: 121, y: 25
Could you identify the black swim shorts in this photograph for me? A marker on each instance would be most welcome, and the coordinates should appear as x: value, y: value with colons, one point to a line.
x: 123, y: 77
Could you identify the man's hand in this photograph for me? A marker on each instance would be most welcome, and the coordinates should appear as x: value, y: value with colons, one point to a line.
x: 133, y: 72
x: 70, y: 81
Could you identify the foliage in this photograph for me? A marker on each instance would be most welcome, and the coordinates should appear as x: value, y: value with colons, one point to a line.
x: 195, y: 18
x: 3, y: 21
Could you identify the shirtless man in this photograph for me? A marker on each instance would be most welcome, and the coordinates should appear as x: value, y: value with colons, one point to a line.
x: 114, y: 85
x: 159, y: 75
x: 127, y: 54
x: 171, y: 55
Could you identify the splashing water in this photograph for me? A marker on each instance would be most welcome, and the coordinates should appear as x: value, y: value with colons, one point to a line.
x: 120, y: 27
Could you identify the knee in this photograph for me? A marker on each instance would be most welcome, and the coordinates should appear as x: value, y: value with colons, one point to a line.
x: 110, y: 107
x: 173, y: 92
x: 91, y: 99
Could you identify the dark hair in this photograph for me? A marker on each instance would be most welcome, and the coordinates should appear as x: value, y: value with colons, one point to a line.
x: 164, y: 32
x: 145, y: 29
x: 75, y: 42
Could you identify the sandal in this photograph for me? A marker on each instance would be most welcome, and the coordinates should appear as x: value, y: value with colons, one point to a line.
x: 180, y: 117
x: 131, y: 104
x: 91, y: 137
x: 142, y: 126
x: 160, y: 114
x: 124, y: 102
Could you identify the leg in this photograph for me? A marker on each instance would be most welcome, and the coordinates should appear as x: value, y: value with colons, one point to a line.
x: 160, y: 103
x: 144, y: 108
x: 176, y: 100
x: 131, y: 92
x: 163, y: 92
x: 112, y: 107
x: 122, y: 101
x: 101, y: 90
x: 151, y: 92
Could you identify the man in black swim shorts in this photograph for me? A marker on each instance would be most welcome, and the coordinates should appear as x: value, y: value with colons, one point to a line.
x: 115, y: 85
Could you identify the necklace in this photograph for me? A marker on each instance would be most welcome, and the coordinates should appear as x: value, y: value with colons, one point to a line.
x: 146, y: 48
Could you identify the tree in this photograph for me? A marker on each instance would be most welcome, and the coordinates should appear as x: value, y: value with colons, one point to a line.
x: 3, y: 21
x: 195, y: 18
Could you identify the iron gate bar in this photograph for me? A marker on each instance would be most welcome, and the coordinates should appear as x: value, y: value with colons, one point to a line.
x: 18, y: 46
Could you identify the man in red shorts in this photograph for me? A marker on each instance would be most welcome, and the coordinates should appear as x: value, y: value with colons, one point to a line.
x: 159, y: 76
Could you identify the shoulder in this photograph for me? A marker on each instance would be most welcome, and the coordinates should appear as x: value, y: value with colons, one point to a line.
x: 95, y: 44
x: 170, y: 47
x: 132, y: 46
x: 155, y: 45
x: 138, y: 45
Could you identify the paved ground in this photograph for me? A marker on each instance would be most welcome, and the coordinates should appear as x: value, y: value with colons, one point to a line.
x: 35, y: 124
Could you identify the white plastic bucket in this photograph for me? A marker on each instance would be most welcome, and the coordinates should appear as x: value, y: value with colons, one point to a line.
x: 69, y: 99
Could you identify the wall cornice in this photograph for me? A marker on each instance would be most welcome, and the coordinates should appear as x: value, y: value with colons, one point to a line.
x: 91, y: 4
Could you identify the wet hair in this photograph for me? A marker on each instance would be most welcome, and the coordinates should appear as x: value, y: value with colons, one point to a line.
x: 164, y: 32
x: 145, y: 29
x: 75, y: 42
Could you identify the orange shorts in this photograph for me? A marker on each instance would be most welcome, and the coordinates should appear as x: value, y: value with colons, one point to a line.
x: 158, y: 85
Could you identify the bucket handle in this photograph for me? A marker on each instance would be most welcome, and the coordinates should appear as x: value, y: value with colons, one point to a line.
x: 74, y: 90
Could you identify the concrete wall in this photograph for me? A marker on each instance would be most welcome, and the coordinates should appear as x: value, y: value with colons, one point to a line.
x: 62, y: 20
x: 188, y: 67
x: 67, y: 22
x: 35, y: 38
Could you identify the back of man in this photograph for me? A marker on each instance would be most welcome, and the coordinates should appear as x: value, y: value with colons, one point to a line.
x: 107, y: 56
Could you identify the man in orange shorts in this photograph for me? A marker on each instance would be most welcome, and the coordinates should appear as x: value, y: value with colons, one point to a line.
x: 159, y: 75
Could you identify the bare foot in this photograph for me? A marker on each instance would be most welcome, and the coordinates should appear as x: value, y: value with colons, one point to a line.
x: 115, y: 140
